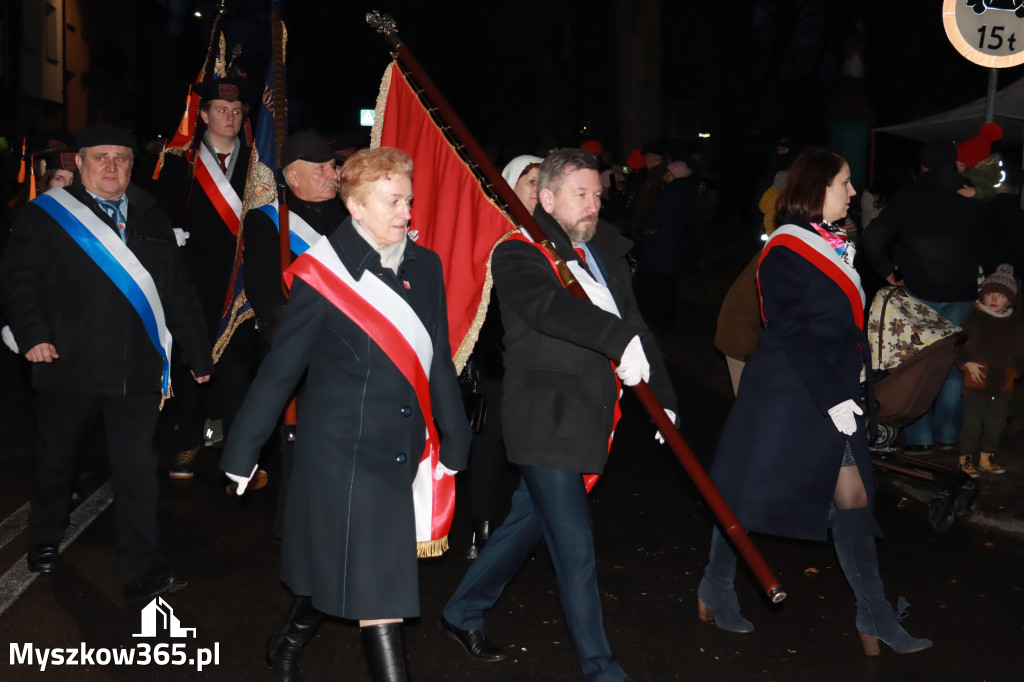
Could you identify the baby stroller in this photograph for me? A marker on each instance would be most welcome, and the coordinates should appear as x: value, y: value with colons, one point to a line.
x: 912, y: 347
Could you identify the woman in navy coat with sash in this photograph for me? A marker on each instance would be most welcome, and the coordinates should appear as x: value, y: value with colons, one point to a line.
x: 367, y: 311
x: 793, y: 458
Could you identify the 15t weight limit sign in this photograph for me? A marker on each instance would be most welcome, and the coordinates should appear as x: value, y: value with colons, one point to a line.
x: 986, y: 32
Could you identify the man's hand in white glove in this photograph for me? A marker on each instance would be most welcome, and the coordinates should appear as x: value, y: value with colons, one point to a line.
x: 242, y: 481
x: 441, y: 471
x: 843, y: 416
x: 181, y: 236
x: 657, y: 434
x: 633, y: 367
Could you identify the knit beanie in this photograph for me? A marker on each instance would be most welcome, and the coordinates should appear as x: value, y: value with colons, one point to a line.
x: 970, y: 152
x: 1002, y: 282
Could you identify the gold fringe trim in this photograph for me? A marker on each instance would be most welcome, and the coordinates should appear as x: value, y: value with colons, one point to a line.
x: 234, y: 322
x: 432, y: 548
x: 378, y: 110
x: 465, y: 348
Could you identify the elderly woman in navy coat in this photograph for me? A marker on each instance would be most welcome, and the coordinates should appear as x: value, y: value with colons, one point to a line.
x: 793, y: 457
x: 349, y: 547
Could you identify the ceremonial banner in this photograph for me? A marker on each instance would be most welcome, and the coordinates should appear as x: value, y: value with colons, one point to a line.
x: 260, y: 191
x: 451, y: 214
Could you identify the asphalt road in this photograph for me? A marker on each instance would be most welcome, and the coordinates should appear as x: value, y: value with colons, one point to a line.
x: 966, y: 586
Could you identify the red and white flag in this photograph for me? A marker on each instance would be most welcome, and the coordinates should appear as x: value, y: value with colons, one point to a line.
x: 455, y: 218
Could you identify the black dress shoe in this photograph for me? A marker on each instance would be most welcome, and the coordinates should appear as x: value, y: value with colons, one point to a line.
x: 151, y: 586
x: 42, y: 558
x: 474, y: 642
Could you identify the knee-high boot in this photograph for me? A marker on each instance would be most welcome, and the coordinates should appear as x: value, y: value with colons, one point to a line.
x: 853, y: 533
x: 283, y: 649
x: 716, y: 597
x: 385, y: 652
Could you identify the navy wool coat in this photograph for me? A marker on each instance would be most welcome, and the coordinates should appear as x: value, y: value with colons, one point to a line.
x: 779, y: 454
x: 350, y: 539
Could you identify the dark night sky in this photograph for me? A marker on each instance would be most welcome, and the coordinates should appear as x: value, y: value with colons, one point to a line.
x: 533, y: 72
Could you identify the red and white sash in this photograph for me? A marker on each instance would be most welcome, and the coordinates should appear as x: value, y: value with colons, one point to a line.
x: 394, y: 326
x: 820, y: 253
x: 219, y: 190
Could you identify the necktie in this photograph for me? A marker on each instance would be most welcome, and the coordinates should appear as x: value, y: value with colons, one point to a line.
x: 223, y: 161
x: 582, y: 254
x: 113, y: 209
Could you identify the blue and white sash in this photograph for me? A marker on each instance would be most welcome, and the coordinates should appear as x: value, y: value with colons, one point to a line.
x: 300, y: 233
x: 117, y: 262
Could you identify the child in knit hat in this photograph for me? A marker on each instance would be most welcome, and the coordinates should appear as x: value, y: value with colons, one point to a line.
x: 991, y: 359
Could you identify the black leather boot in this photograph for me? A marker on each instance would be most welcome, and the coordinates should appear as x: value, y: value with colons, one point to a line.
x: 481, y: 534
x: 385, y: 652
x: 283, y: 649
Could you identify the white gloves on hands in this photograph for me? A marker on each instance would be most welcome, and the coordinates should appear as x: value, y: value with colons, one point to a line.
x: 242, y: 481
x: 843, y: 416
x: 633, y: 367
x: 181, y: 236
x: 657, y: 434
x: 441, y: 471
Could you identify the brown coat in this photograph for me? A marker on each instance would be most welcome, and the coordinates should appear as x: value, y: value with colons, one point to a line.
x: 739, y: 320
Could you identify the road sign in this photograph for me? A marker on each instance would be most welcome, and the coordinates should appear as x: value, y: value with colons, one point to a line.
x: 986, y: 32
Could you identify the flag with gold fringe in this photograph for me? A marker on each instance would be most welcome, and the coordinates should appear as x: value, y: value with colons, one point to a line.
x: 453, y: 216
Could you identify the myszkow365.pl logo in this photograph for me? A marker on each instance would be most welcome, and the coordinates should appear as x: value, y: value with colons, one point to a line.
x: 157, y: 619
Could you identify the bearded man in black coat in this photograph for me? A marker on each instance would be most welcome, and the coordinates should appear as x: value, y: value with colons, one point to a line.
x: 560, y: 405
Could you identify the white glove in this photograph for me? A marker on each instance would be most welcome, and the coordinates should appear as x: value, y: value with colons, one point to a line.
x: 657, y: 434
x: 242, y: 481
x: 441, y: 471
x: 181, y: 236
x: 843, y: 416
x: 9, y: 341
x: 633, y: 367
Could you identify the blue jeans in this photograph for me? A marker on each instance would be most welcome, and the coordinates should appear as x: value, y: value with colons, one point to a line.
x: 550, y: 504
x: 941, y: 423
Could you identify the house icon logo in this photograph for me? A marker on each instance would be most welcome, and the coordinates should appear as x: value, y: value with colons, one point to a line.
x: 158, y: 616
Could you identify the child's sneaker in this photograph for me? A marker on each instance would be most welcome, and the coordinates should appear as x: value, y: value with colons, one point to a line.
x: 967, y: 466
x: 987, y: 463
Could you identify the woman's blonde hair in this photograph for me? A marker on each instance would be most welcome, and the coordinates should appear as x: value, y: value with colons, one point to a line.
x: 367, y: 166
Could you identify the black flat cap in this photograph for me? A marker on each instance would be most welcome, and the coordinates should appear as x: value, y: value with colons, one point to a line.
x: 306, y: 145
x: 101, y: 135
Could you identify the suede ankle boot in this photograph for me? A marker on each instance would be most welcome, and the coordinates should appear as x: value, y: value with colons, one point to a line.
x: 385, y: 652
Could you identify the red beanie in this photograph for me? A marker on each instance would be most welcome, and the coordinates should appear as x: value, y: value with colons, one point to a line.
x: 971, y: 151
x: 635, y: 160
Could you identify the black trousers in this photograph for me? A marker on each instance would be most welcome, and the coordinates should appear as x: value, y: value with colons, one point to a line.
x: 222, y: 397
x: 65, y: 420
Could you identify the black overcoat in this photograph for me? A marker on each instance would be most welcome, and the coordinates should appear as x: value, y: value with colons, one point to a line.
x: 53, y: 292
x: 779, y: 454
x: 350, y: 539
x: 210, y: 249
x: 559, y: 389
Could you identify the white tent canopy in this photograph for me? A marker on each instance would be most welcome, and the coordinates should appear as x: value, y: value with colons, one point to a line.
x: 965, y: 121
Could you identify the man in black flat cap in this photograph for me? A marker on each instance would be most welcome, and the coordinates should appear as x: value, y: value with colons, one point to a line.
x: 211, y: 225
x: 94, y: 287
x: 314, y: 210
